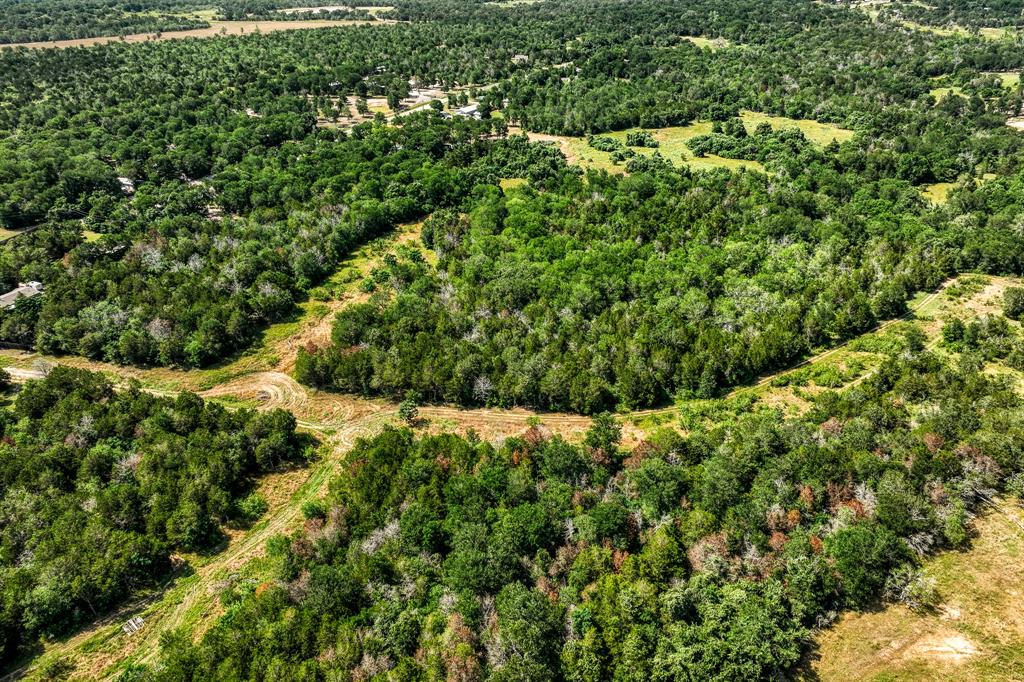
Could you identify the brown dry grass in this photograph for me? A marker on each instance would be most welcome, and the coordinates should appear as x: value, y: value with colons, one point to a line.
x: 215, y: 29
x: 977, y: 633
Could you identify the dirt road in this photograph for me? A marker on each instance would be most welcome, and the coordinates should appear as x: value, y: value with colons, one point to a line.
x: 338, y: 420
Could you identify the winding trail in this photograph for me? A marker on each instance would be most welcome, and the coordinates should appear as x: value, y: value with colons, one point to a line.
x: 338, y: 420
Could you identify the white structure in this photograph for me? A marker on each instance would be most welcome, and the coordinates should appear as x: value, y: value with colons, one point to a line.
x: 24, y: 290
x: 133, y: 625
x: 469, y: 111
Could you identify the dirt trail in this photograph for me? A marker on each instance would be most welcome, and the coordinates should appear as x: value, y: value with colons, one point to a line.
x: 337, y: 419
x: 324, y: 411
x: 191, y: 600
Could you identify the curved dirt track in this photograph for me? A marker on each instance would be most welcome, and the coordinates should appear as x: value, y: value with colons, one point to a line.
x: 339, y: 420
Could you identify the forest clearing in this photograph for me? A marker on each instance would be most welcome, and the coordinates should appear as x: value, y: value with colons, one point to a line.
x: 974, y: 633
x: 673, y: 142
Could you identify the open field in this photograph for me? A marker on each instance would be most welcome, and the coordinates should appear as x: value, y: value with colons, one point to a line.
x: 976, y: 633
x: 216, y: 29
x: 949, y: 31
x: 672, y: 143
x: 370, y: 9
x: 710, y: 43
x: 871, y: 8
x: 939, y: 93
x: 1009, y: 79
x: 672, y: 146
x: 938, y: 192
x: 818, y: 133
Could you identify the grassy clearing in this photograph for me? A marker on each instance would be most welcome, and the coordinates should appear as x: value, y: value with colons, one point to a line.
x: 871, y: 8
x: 939, y: 93
x: 1009, y: 79
x: 949, y: 31
x: 977, y: 633
x: 818, y: 133
x: 673, y: 143
x: 937, y: 192
x: 511, y: 183
x: 792, y: 390
x: 710, y: 43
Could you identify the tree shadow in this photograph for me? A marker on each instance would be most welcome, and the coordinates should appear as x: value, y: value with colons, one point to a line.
x: 804, y: 670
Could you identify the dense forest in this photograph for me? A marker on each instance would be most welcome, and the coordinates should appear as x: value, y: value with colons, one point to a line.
x: 219, y: 201
x: 194, y: 257
x: 628, y: 291
x: 709, y: 556
x: 38, y: 20
x: 175, y: 198
x: 98, y: 487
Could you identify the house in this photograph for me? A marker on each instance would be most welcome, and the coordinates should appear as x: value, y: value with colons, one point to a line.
x: 24, y: 290
x: 520, y: 59
x: 127, y: 185
x: 469, y: 111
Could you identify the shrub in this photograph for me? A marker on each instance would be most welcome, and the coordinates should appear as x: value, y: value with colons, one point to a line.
x: 251, y: 508
x: 1013, y: 303
x: 641, y: 138
x: 910, y: 586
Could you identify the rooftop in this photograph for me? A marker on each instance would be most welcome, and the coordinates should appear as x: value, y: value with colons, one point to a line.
x: 23, y: 290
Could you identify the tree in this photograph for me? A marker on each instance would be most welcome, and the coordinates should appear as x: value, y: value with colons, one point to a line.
x: 408, y: 410
x: 864, y: 554
x: 603, y: 436
x: 1013, y: 302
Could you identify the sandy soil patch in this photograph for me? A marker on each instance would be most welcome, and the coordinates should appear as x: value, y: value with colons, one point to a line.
x: 948, y: 647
